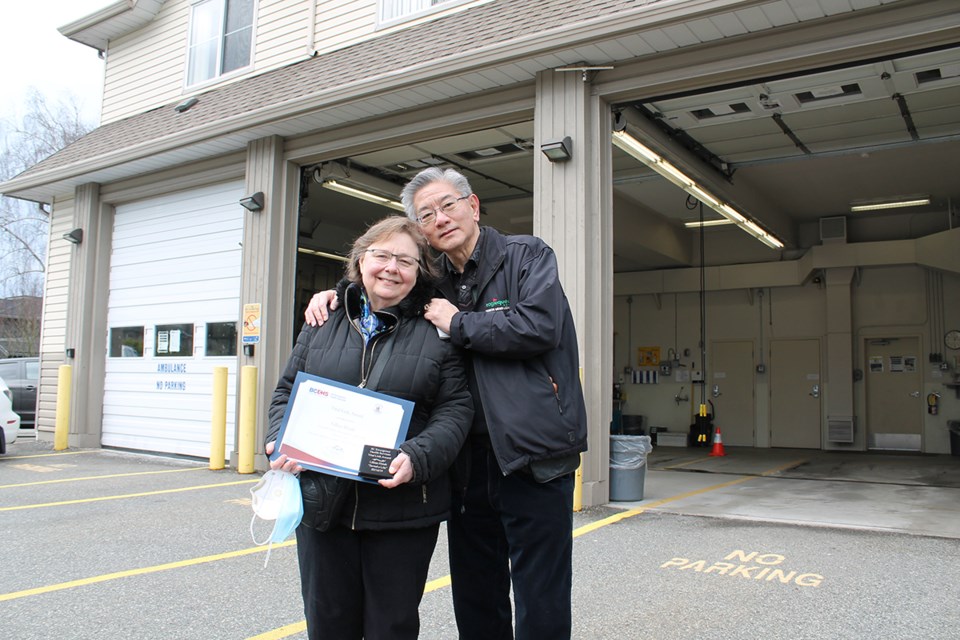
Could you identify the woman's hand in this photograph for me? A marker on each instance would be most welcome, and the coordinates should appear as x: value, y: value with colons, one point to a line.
x: 402, y: 470
x: 283, y: 463
x: 321, y: 304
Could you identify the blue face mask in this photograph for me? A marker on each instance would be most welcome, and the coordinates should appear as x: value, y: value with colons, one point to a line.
x: 276, y: 497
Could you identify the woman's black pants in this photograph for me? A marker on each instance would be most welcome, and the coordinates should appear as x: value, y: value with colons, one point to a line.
x: 364, y: 584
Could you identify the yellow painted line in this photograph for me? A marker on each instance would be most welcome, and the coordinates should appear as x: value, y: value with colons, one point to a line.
x: 138, y: 572
x: 47, y: 455
x: 439, y: 583
x: 282, y: 632
x: 433, y: 585
x: 129, y: 495
x: 683, y: 464
x: 112, y: 475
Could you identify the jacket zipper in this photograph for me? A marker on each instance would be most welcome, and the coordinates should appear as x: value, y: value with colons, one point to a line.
x: 556, y: 394
x: 356, y: 506
x: 364, y: 370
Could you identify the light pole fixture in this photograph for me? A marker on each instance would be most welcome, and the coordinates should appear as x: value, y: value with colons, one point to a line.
x: 558, y: 150
x: 253, y: 202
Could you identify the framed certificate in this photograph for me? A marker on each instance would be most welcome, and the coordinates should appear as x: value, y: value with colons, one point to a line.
x: 342, y: 430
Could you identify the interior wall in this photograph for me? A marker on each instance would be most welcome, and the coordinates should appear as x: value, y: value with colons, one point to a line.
x: 889, y: 300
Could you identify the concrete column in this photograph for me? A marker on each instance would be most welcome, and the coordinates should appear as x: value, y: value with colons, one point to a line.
x: 838, y: 400
x: 87, y: 314
x: 573, y: 213
x: 267, y: 277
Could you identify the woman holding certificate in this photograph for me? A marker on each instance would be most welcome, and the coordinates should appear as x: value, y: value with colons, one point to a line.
x: 364, y: 548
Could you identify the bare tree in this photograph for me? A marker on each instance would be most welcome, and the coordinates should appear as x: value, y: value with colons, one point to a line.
x: 45, y: 129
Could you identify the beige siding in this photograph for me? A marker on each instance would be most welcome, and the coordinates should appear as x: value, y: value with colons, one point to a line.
x: 281, y: 32
x: 52, y: 340
x: 145, y: 69
x: 341, y: 23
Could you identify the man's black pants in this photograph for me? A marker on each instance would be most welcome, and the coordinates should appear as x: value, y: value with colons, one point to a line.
x: 507, y: 527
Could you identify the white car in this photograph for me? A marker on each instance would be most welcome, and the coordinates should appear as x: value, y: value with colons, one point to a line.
x: 9, y: 420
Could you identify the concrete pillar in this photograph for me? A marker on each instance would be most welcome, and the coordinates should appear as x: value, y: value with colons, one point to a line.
x: 87, y: 314
x: 268, y: 271
x: 573, y: 213
x: 838, y: 401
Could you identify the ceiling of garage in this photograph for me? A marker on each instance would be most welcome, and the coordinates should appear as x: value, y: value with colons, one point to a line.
x: 805, y: 146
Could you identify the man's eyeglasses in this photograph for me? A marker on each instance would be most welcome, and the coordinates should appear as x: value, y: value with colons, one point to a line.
x: 383, y: 258
x: 428, y: 216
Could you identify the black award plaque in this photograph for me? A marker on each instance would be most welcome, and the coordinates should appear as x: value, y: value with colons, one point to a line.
x: 375, y: 462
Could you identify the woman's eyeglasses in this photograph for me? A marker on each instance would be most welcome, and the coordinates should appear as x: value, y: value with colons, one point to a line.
x: 383, y: 258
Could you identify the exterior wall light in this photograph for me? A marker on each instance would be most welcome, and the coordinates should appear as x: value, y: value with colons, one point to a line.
x: 253, y: 203
x: 75, y: 236
x: 558, y: 150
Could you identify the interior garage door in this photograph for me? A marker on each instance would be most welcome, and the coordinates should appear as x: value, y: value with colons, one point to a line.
x: 173, y: 310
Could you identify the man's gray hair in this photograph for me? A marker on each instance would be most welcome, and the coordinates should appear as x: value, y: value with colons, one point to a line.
x: 428, y: 176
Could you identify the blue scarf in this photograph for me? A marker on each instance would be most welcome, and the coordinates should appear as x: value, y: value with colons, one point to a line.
x: 370, y: 324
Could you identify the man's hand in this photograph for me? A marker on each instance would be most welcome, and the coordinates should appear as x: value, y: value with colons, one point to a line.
x: 321, y: 304
x: 440, y: 312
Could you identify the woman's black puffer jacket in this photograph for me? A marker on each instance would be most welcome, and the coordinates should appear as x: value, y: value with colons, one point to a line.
x: 423, y: 369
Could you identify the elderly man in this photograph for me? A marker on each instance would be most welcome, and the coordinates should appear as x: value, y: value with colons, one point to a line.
x: 502, y: 303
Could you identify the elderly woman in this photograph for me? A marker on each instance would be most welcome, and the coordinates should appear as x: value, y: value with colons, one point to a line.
x: 364, y: 549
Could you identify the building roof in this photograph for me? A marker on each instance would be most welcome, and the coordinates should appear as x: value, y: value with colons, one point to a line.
x: 498, y: 44
x: 282, y: 92
x: 488, y: 35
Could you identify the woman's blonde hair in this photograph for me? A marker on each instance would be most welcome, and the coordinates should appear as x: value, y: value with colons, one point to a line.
x: 390, y: 226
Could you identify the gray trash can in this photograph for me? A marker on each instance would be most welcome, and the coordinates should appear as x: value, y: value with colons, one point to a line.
x: 954, y: 427
x: 628, y: 467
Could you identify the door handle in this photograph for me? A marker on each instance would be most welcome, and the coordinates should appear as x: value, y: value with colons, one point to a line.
x: 716, y: 391
x: 815, y: 392
x: 915, y: 394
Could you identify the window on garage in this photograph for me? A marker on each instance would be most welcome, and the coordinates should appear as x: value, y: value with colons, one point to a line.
x: 126, y: 342
x: 221, y: 339
x: 173, y: 340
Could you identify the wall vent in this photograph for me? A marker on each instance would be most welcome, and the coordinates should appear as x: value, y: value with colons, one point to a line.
x: 833, y: 230
x: 840, y: 428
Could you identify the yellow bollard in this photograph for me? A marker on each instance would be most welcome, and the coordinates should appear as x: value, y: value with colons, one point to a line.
x: 218, y: 423
x: 61, y: 429
x: 578, y: 487
x: 578, y: 477
x: 248, y: 419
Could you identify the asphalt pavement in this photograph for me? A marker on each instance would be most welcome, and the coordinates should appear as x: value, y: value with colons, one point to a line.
x: 108, y: 544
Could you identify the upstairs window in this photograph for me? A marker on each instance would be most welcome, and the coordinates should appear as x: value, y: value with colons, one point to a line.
x: 221, y: 38
x: 395, y: 9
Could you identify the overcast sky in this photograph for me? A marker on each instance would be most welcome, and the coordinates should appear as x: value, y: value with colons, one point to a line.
x: 36, y: 55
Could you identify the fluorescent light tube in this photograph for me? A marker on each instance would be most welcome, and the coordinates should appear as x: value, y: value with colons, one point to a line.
x: 339, y: 187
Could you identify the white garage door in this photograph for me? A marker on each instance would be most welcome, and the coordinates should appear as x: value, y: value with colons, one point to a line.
x: 173, y: 311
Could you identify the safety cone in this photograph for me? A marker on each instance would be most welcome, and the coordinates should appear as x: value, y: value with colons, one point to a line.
x: 717, y: 444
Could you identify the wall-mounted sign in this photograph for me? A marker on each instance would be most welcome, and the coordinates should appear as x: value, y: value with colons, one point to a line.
x: 251, y: 323
x: 648, y: 356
